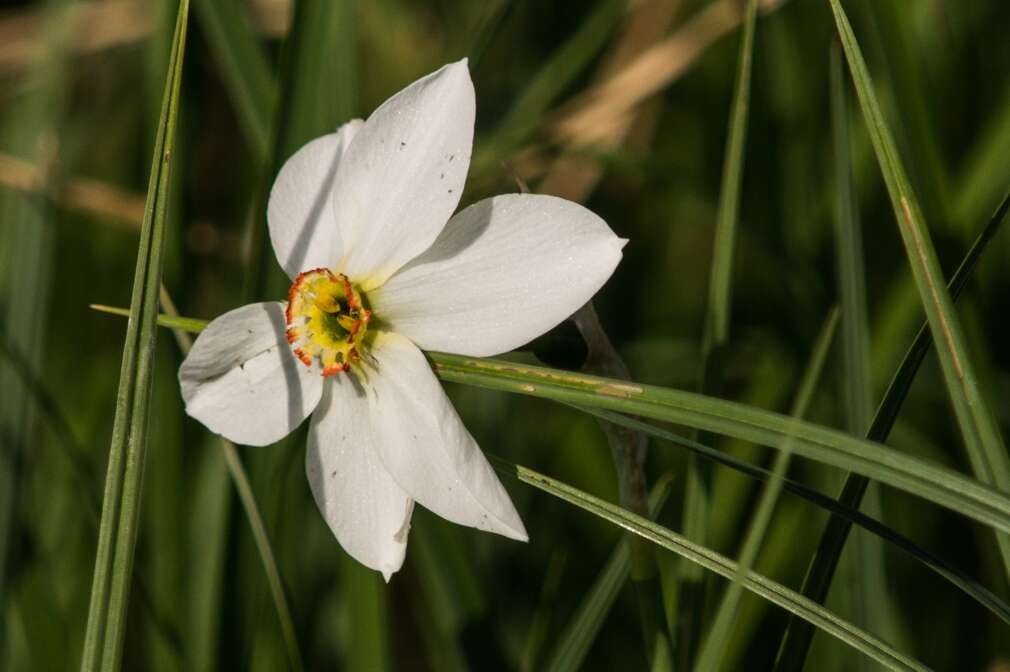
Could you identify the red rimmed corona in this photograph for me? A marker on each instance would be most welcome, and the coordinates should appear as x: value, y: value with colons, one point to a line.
x: 326, y: 320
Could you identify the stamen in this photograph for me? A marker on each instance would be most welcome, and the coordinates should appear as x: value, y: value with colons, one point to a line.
x: 326, y: 320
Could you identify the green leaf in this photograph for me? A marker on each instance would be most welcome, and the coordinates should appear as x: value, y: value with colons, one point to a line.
x: 932, y: 482
x: 103, y: 645
x: 983, y: 443
x: 712, y: 561
x: 721, y: 631
x: 573, y: 644
x: 822, y: 567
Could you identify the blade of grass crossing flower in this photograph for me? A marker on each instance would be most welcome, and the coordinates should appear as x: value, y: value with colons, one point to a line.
x: 716, y: 329
x: 949, y: 572
x: 121, y: 503
x: 983, y: 443
x: 797, y: 641
x: 573, y: 644
x: 870, y: 604
x: 244, y: 69
x: 714, y: 562
x: 722, y: 627
x: 935, y: 483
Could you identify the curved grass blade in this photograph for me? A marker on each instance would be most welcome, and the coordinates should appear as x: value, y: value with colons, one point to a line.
x: 719, y: 634
x: 574, y: 642
x: 932, y: 482
x: 822, y: 568
x: 850, y: 515
x: 983, y: 443
x: 756, y: 583
x: 103, y: 644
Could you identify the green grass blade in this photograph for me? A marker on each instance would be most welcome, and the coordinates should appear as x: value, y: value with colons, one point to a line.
x: 244, y: 69
x: 573, y: 644
x: 106, y: 627
x: 870, y: 604
x: 955, y: 576
x: 721, y: 631
x: 715, y: 337
x: 932, y: 482
x: 822, y: 567
x: 727, y: 215
x: 714, y: 562
x: 983, y: 443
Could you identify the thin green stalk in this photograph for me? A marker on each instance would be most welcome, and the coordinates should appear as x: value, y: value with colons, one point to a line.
x: 722, y: 627
x: 103, y: 645
x: 796, y: 643
x: 715, y: 337
x: 983, y: 443
x: 714, y: 562
x: 930, y: 481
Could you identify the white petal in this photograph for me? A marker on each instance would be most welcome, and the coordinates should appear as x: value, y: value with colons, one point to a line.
x: 243, y: 382
x: 367, y: 511
x: 504, y: 271
x: 402, y: 176
x: 303, y: 228
x: 425, y: 446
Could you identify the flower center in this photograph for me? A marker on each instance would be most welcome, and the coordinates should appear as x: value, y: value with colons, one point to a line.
x: 327, y: 319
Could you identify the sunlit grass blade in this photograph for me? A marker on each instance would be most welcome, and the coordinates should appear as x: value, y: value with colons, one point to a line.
x: 244, y: 69
x: 935, y: 483
x: 983, y: 443
x: 822, y: 567
x: 714, y: 562
x: 719, y: 634
x: 117, y: 535
x: 715, y: 337
x: 985, y: 448
x: 573, y: 643
x: 955, y: 576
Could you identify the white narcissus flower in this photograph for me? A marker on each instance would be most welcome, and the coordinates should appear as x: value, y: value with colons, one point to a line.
x: 362, y: 222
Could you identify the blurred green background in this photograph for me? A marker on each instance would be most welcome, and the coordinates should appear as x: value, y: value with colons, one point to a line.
x: 80, y: 91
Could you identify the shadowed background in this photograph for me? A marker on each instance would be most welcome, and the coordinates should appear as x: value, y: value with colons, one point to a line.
x: 621, y: 105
